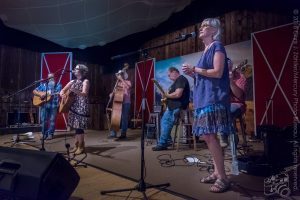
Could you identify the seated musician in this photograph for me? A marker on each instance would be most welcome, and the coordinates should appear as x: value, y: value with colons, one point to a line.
x: 124, y: 83
x: 237, y: 97
x: 177, y: 98
x: 49, y: 109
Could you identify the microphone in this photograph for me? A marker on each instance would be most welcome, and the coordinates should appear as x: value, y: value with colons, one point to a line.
x: 119, y: 72
x: 186, y: 36
x: 66, y: 71
x: 63, y: 70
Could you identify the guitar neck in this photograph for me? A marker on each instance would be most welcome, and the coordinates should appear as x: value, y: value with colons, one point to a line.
x: 44, y: 93
x: 158, y: 86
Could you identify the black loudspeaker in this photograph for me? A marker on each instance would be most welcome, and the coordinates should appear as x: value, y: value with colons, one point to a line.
x: 254, y: 165
x: 281, y: 145
x: 35, y: 175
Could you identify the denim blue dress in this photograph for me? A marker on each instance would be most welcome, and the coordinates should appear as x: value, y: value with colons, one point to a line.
x: 211, y: 96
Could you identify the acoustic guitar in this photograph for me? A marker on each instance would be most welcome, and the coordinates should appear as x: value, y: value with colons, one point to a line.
x: 39, y: 101
x: 244, y: 68
x: 66, y: 102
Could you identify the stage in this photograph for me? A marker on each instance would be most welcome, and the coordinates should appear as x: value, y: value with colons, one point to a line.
x: 123, y: 159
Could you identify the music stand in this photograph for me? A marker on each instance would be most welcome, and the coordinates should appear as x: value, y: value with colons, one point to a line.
x: 142, y: 186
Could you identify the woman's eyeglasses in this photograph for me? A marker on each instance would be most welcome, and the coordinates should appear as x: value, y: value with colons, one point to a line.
x: 204, y: 26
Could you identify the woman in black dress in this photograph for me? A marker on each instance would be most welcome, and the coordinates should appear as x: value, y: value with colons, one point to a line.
x: 79, y: 111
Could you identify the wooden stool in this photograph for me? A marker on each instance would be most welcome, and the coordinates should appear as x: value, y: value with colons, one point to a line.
x: 184, y: 133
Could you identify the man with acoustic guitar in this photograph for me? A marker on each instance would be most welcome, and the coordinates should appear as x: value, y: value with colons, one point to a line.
x: 177, y: 97
x: 125, y: 84
x: 49, y: 106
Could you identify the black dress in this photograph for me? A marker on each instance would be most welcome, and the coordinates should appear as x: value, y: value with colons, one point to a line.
x: 79, y: 111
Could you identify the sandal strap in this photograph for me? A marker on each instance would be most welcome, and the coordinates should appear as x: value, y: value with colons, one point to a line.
x: 221, y: 182
x: 208, y: 179
x: 221, y: 185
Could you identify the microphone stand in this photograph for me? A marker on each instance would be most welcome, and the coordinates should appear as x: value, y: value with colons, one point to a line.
x: 17, y: 140
x: 45, y: 112
x: 142, y: 186
x: 44, y: 117
x: 45, y: 107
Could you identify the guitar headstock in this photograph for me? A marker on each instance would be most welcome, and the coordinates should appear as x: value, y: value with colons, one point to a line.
x: 244, y: 62
x: 126, y: 66
x: 244, y: 68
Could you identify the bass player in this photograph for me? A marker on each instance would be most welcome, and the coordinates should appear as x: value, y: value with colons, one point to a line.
x: 125, y: 84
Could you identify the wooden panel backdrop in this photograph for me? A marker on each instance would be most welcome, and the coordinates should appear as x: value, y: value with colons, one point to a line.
x: 19, y: 67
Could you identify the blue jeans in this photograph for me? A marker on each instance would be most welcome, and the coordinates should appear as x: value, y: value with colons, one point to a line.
x: 124, y: 120
x: 166, y: 124
x: 48, y: 117
x: 235, y: 110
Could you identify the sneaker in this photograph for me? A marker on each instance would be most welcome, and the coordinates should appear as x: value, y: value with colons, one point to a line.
x: 122, y: 137
x: 159, y: 148
x: 169, y: 144
x: 50, y: 137
x: 111, y: 137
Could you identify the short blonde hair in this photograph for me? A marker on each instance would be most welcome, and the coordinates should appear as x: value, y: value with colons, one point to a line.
x: 213, y: 22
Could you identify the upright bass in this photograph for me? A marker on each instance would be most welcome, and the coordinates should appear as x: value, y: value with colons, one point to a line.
x: 117, y: 101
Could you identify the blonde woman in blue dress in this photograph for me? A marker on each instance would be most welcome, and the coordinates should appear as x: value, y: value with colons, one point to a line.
x: 211, y: 99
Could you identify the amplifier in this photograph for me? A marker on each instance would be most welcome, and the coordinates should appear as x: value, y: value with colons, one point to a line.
x: 254, y: 165
x: 12, y: 118
x: 157, y: 108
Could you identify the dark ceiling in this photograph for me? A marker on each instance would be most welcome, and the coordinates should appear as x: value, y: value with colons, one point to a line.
x: 192, y: 14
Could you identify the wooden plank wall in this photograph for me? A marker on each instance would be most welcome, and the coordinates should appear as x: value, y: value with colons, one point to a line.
x: 19, y: 67
x: 237, y: 27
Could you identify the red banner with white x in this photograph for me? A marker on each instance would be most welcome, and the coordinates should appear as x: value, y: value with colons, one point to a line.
x: 58, y: 62
x: 275, y: 76
x: 144, y: 73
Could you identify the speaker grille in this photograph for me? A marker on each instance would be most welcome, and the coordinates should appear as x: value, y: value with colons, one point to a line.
x: 41, y: 175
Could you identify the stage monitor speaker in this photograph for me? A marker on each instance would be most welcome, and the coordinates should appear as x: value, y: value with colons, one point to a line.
x: 35, y: 175
x: 254, y: 165
x: 279, y: 146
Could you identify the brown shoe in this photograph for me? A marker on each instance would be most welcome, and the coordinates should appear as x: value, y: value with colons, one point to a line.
x: 80, y: 149
x: 74, y: 148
